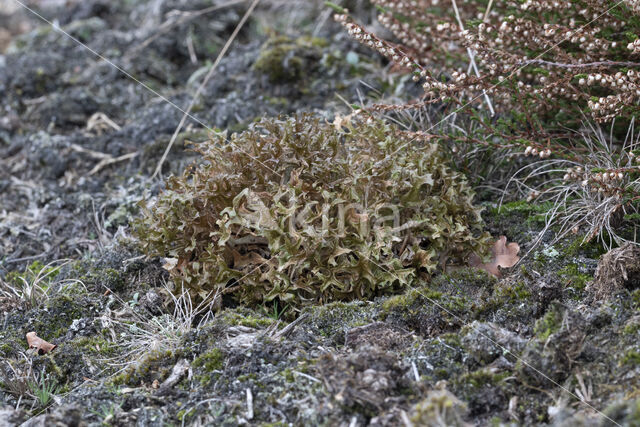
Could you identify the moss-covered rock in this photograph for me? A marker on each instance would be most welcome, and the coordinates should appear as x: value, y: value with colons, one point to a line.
x: 283, y: 59
x: 152, y: 366
x: 210, y: 361
x: 333, y: 320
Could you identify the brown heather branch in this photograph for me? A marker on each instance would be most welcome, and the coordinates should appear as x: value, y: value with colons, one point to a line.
x: 586, y: 65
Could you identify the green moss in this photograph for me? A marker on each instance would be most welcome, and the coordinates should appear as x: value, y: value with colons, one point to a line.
x: 549, y: 323
x: 96, y: 345
x: 455, y: 303
x: 533, y: 212
x: 631, y: 329
x: 416, y: 297
x: 513, y: 292
x: 466, y: 276
x: 36, y: 271
x: 545, y: 257
x: 288, y: 375
x: 212, y: 360
x: 154, y: 366
x: 53, y: 368
x: 442, y: 373
x: 496, y: 421
x: 61, y: 311
x: 6, y: 349
x: 316, y: 41
x: 331, y: 320
x: 630, y: 357
x: 504, y: 294
x: 183, y: 414
x: 439, y: 407
x: 452, y: 339
x: 483, y: 377
x: 572, y: 277
x: 247, y: 377
x: 399, y: 302
x: 635, y: 298
x: 245, y: 317
x: 110, y: 278
x: 591, y: 249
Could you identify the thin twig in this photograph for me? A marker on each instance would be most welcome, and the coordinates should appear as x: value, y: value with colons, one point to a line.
x: 95, y: 154
x: 110, y: 161
x: 309, y: 377
x: 203, y: 84
x: 405, y: 419
x: 287, y: 329
x: 249, y: 404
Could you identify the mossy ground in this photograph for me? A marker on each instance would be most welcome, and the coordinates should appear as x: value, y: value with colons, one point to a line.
x: 388, y: 352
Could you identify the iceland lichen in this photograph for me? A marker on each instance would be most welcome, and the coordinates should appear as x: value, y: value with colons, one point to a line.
x: 303, y: 212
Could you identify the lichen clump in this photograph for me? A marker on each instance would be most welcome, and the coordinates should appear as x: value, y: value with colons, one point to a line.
x: 302, y: 211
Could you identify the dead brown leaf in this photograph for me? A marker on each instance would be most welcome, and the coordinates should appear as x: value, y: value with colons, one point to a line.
x: 38, y: 343
x: 503, y: 255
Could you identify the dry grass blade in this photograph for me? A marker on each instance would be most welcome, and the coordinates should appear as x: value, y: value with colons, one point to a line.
x: 182, y: 18
x: 472, y: 58
x: 206, y: 79
x: 33, y: 287
x: 159, y: 333
x: 147, y: 87
x: 588, y: 192
x: 106, y: 162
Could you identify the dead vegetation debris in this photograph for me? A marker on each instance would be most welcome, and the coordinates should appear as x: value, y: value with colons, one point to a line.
x: 618, y: 269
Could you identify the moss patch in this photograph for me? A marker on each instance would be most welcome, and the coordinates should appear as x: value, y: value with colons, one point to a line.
x: 332, y: 320
x: 244, y: 317
x: 210, y: 361
x: 631, y: 357
x: 286, y: 60
x: 549, y: 323
x: 572, y: 277
x: 154, y: 366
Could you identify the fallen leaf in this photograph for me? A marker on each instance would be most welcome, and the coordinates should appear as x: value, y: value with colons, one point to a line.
x: 504, y: 255
x: 170, y: 264
x: 38, y: 343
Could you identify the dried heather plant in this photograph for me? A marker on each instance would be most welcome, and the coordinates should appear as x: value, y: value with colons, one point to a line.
x: 549, y: 56
x: 595, y: 191
x: 539, y: 67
